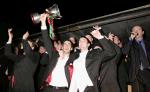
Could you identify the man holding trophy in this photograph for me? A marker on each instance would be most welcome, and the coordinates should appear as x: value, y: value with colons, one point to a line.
x: 56, y: 76
x: 52, y: 13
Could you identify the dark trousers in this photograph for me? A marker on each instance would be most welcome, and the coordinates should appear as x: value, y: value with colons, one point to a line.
x: 54, y: 89
x: 90, y: 89
x: 123, y: 86
x: 3, y: 83
x: 142, y: 83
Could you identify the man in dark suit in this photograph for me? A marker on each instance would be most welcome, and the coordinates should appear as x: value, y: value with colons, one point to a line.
x: 24, y: 65
x: 3, y: 77
x: 87, y: 63
x: 138, y: 52
x: 121, y: 67
x: 5, y: 73
x: 42, y: 66
x: 57, y: 76
x: 108, y: 71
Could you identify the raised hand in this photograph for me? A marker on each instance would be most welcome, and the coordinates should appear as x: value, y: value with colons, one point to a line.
x: 96, y: 34
x: 133, y: 35
x: 26, y: 35
x: 111, y: 36
x: 10, y: 34
x: 97, y: 27
x: 43, y: 19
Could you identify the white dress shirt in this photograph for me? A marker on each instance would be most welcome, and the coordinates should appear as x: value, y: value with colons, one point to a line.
x: 58, y: 74
x: 80, y: 78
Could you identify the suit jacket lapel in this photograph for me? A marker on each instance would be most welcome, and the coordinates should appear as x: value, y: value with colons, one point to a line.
x: 88, y: 59
x: 52, y: 64
x: 71, y: 59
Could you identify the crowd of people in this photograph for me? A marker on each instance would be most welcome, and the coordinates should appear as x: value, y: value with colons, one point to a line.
x: 96, y: 63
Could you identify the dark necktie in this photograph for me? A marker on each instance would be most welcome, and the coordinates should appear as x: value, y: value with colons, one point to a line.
x: 143, y: 55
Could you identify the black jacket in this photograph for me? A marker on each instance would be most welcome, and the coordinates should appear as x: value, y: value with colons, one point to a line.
x: 24, y: 68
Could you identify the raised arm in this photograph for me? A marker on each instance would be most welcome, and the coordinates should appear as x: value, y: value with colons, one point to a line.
x: 8, y: 49
x: 127, y: 47
x: 46, y: 38
x: 26, y: 47
x: 118, y: 53
x: 108, y: 50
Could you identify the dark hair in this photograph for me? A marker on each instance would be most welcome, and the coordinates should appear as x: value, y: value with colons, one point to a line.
x: 138, y: 26
x: 86, y: 39
x: 69, y: 41
x: 72, y: 45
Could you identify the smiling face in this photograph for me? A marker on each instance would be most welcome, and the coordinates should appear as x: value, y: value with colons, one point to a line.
x: 67, y: 47
x: 83, y: 43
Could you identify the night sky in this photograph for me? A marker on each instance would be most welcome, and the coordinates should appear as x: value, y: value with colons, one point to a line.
x: 16, y: 13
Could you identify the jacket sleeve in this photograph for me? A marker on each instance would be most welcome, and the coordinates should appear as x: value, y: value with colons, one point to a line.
x: 9, y: 54
x: 47, y: 42
x: 44, y: 59
x: 108, y: 50
x: 127, y: 47
x: 118, y: 53
x: 27, y: 49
